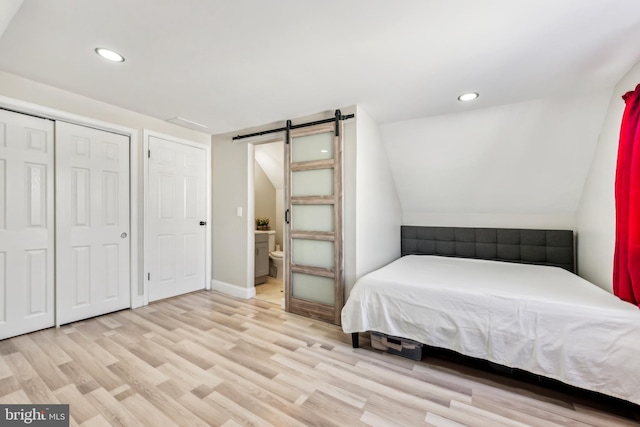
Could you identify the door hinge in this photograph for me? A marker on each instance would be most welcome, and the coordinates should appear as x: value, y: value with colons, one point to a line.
x: 148, y: 276
x: 149, y: 154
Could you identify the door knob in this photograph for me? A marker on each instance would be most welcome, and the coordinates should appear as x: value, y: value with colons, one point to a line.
x: 203, y: 222
x: 123, y: 235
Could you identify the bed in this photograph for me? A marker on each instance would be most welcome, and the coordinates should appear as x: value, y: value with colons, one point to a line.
x: 508, y: 296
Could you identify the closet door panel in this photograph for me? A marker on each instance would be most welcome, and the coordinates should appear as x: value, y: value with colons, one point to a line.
x: 92, y: 222
x: 26, y: 224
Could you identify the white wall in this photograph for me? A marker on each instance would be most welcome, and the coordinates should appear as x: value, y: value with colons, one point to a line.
x: 28, y: 90
x: 377, y: 208
x: 519, y: 165
x: 22, y: 89
x: 265, y: 196
x: 596, y: 212
x: 232, y: 249
x: 270, y: 157
x: 279, y: 224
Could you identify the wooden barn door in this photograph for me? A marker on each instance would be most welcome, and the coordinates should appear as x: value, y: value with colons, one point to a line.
x: 313, y: 232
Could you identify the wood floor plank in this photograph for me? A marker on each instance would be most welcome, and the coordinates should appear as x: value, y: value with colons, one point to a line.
x: 41, y: 363
x: 20, y: 367
x: 235, y: 411
x: 85, y: 362
x: 9, y: 385
x: 5, y: 370
x: 16, y: 398
x: 266, y: 407
x: 328, y: 410
x: 47, y: 339
x: 440, y: 421
x: 396, y: 409
x: 145, y: 413
x: 385, y: 387
x: 145, y: 323
x: 374, y: 420
x: 152, y: 394
x: 298, y: 386
x: 475, y: 411
x: 130, y: 363
x: 208, y: 359
x: 202, y: 409
x: 195, y: 353
x: 414, y: 386
x: 97, y: 421
x: 81, y: 410
x: 253, y: 381
x: 81, y: 379
x: 515, y: 412
x: 38, y: 391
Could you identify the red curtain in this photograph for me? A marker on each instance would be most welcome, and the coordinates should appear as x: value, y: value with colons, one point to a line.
x: 626, y: 261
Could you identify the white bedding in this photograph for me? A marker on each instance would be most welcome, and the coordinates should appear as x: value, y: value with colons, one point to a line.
x: 542, y: 319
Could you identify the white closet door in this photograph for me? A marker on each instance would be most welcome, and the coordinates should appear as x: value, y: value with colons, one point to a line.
x: 26, y: 224
x: 176, y: 207
x: 92, y: 222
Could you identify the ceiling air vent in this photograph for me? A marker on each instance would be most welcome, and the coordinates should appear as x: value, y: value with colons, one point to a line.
x: 186, y: 123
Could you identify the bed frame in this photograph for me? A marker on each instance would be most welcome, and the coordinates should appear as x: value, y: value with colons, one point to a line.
x: 542, y: 247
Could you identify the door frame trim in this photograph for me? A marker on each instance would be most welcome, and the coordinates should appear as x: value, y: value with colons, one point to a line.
x: 146, y: 263
x: 135, y: 245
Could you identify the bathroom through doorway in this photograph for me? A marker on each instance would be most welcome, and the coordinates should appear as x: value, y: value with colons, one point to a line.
x: 269, y: 205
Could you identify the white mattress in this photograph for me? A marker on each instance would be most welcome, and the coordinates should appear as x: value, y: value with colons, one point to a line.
x: 544, y: 320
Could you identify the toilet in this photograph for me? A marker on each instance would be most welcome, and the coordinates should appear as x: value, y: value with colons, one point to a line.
x: 275, y: 258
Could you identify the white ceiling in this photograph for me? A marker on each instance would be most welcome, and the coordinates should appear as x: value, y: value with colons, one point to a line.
x: 235, y: 64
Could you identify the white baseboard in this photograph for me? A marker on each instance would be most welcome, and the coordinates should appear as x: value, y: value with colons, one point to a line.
x: 233, y: 290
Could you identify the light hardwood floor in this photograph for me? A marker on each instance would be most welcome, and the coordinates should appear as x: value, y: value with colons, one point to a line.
x: 207, y: 359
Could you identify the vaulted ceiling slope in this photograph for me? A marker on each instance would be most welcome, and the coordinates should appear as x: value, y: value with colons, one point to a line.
x: 234, y: 64
x: 526, y: 158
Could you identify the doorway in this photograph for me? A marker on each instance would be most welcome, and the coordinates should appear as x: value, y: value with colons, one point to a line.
x: 269, y: 201
x: 314, y: 212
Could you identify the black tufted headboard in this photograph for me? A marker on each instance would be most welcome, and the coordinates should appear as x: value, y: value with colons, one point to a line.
x: 546, y: 247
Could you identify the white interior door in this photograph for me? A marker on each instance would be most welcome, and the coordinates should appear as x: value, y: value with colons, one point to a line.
x: 26, y: 224
x: 176, y: 216
x: 92, y: 222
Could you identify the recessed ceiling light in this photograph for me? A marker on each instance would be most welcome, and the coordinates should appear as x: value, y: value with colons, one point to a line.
x: 468, y: 96
x: 109, y: 54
